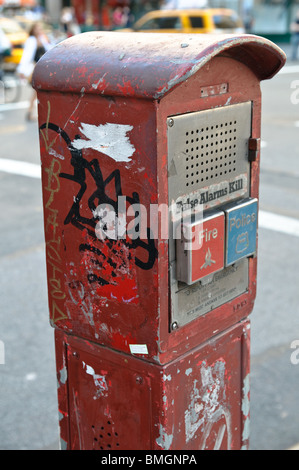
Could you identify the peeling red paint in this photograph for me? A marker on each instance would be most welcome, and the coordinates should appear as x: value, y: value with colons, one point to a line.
x: 124, y: 290
x: 170, y: 64
x: 127, y: 88
x: 122, y: 342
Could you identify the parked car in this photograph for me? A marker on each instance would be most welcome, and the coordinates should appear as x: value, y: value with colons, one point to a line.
x: 17, y: 37
x: 210, y: 20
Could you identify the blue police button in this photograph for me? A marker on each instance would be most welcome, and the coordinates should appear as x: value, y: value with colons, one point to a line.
x: 241, y: 228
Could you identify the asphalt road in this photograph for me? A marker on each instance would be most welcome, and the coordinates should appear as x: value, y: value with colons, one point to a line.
x: 28, y: 404
x: 275, y: 319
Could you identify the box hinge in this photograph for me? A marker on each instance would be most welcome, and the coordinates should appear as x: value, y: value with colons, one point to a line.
x: 254, y: 146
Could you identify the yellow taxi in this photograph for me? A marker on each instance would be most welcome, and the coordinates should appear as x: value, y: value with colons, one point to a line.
x: 209, y: 20
x: 17, y: 37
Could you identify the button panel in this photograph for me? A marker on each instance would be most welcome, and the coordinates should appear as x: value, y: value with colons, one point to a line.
x: 218, y: 241
x: 205, y: 255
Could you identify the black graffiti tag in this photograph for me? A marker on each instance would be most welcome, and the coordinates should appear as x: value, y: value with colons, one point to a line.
x: 98, y: 196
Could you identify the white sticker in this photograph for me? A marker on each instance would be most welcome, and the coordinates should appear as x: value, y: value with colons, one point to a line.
x: 138, y: 349
x: 110, y: 139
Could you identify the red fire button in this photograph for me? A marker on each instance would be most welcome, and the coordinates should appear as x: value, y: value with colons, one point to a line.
x: 205, y: 255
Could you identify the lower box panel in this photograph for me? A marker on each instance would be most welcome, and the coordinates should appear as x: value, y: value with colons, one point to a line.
x: 110, y: 404
x: 113, y: 401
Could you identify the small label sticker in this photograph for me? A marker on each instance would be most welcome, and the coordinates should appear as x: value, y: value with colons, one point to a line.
x: 138, y: 349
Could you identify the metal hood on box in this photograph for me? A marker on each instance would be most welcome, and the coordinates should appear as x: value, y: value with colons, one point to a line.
x: 146, y: 65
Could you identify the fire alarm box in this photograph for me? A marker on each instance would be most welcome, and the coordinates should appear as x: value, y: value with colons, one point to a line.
x: 150, y: 153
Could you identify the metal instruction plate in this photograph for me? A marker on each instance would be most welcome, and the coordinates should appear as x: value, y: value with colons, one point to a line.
x: 208, y: 169
x: 197, y: 300
x: 208, y: 156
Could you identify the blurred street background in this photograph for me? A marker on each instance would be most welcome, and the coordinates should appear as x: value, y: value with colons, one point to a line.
x: 28, y: 400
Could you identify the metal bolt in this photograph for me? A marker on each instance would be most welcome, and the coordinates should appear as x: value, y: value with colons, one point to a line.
x: 170, y: 122
x: 175, y: 325
x: 75, y: 354
x: 139, y: 380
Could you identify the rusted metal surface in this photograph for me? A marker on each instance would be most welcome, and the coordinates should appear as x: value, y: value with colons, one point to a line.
x: 146, y: 65
x: 197, y: 402
x: 110, y: 300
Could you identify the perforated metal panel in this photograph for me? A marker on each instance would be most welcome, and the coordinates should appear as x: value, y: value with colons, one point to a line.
x: 208, y: 168
x: 208, y: 148
x: 210, y: 153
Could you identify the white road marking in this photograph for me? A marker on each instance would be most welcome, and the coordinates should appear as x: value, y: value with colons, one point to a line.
x: 289, y: 69
x: 279, y: 223
x: 16, y: 167
x: 267, y: 220
x: 6, y: 130
x: 31, y: 377
x: 13, y: 106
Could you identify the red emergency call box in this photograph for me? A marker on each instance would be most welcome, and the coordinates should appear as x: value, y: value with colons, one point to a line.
x: 148, y: 140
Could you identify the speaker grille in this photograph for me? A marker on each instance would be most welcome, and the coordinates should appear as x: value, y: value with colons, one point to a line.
x: 105, y: 437
x: 210, y: 153
x: 208, y: 147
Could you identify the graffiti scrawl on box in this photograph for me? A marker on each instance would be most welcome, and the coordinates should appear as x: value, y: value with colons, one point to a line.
x: 99, y: 283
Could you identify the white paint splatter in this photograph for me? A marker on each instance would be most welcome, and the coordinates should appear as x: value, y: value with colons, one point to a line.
x: 63, y: 375
x: 110, y: 139
x: 55, y: 154
x: 246, y: 391
x: 193, y: 420
x: 166, y: 377
x: 101, y: 80
x: 99, y: 381
x: 164, y: 440
x: 246, y: 408
x: 89, y: 370
x: 207, y: 407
